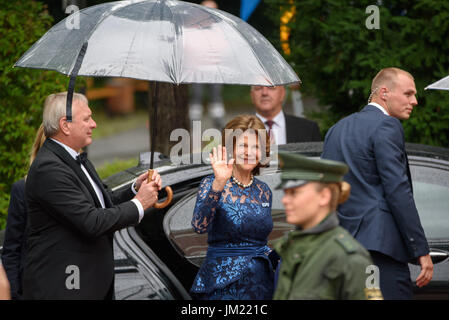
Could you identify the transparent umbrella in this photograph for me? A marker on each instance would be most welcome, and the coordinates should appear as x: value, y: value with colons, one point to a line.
x: 159, y: 40
x: 442, y: 84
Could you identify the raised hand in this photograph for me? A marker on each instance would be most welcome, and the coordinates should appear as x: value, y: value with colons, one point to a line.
x: 222, y: 168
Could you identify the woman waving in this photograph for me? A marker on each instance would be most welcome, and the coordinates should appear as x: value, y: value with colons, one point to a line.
x: 234, y: 208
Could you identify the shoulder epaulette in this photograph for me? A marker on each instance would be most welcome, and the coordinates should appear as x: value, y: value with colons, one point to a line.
x: 347, y: 243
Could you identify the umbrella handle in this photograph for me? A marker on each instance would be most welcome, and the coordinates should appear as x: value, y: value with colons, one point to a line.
x: 168, y: 189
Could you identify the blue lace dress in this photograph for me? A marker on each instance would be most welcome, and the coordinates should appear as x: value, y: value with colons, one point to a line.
x: 238, y: 222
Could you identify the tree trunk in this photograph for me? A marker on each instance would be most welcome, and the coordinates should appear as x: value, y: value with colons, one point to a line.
x: 172, y: 113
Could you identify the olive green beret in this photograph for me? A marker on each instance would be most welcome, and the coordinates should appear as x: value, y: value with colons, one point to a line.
x: 298, y: 170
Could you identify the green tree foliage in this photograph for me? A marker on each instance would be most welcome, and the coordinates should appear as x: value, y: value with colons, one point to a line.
x: 22, y: 91
x: 336, y: 55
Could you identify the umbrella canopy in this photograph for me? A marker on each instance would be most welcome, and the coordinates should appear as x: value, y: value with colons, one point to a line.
x: 442, y: 84
x: 160, y: 40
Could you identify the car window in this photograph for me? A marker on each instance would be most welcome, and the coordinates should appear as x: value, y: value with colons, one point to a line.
x: 431, y: 193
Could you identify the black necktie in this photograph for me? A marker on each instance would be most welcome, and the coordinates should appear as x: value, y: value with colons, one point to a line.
x: 269, y: 123
x: 82, y: 159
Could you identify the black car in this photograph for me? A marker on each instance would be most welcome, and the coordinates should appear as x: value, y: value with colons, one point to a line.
x: 159, y: 258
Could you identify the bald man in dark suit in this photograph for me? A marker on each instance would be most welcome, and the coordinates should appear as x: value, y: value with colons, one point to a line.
x: 381, y: 212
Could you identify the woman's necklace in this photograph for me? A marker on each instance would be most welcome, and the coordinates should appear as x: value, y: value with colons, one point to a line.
x: 240, y: 184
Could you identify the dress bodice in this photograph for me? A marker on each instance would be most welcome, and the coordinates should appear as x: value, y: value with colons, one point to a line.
x: 233, y: 218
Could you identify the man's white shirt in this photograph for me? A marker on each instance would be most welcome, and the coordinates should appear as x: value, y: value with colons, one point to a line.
x: 279, y: 128
x: 378, y: 106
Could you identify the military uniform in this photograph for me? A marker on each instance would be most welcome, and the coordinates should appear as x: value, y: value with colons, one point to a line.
x: 325, y: 261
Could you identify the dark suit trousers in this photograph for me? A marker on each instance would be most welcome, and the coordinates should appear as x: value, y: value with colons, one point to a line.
x: 395, y: 282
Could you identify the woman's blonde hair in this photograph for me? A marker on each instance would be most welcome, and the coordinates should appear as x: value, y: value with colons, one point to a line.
x: 340, y: 192
x: 38, y: 142
x: 238, y: 126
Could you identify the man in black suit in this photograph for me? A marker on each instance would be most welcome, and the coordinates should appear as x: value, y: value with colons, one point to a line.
x: 72, y: 215
x: 282, y: 128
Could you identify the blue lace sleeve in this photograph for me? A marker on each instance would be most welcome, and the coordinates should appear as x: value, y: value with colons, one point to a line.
x: 206, y: 204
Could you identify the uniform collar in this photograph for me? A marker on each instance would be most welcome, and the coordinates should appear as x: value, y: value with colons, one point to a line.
x: 330, y: 222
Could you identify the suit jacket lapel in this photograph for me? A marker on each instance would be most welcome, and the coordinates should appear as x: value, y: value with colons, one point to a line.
x: 67, y: 159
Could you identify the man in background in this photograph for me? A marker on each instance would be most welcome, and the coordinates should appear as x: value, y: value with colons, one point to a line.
x: 281, y: 127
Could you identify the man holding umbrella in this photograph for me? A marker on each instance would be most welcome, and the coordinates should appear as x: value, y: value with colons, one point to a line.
x: 72, y: 214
